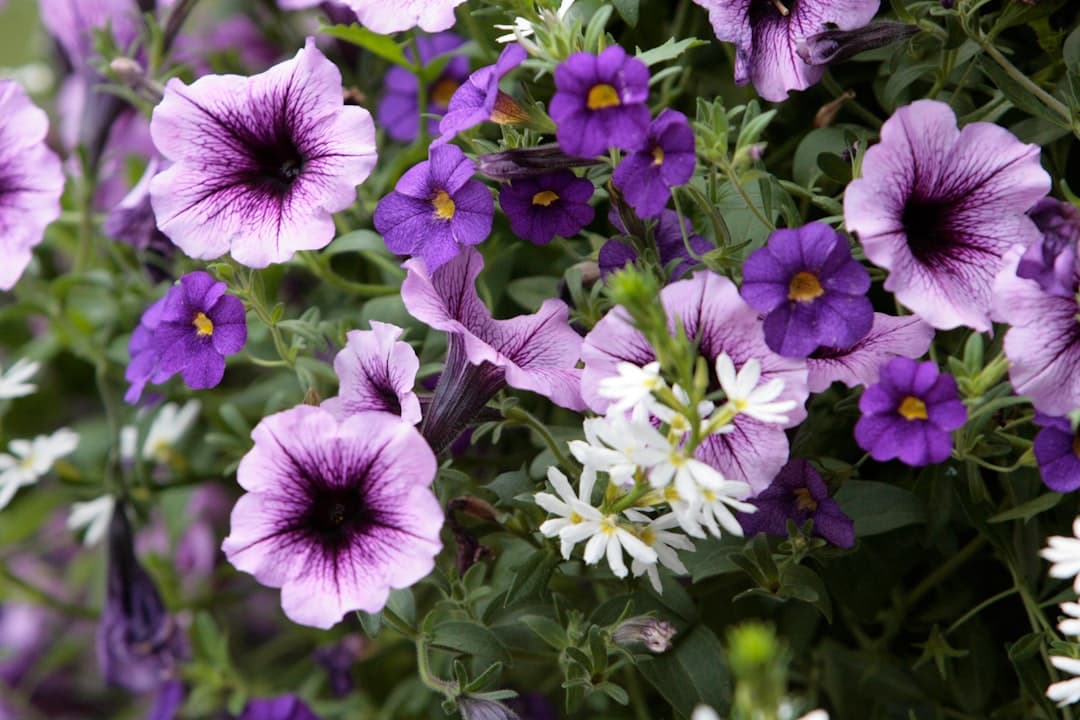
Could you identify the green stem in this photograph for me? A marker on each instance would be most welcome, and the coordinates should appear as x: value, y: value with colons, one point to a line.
x: 979, y: 608
x: 729, y: 171
x: 524, y: 417
x: 398, y: 623
x: 429, y: 678
x: 421, y: 90
x: 1056, y: 106
x: 41, y: 597
x: 943, y: 571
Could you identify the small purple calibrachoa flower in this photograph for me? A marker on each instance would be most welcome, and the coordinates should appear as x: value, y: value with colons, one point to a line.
x: 1057, y: 450
x: 646, y: 176
x: 798, y: 493
x: 479, y: 99
x: 811, y: 289
x: 860, y: 364
x: 377, y: 372
x: 670, y: 247
x: 1051, y: 260
x: 938, y: 207
x: 261, y: 163
x: 539, y: 208
x: 910, y: 414
x: 336, y: 512
x: 189, y: 331
x: 283, y: 707
x: 399, y: 109
x: 436, y: 209
x: 600, y: 102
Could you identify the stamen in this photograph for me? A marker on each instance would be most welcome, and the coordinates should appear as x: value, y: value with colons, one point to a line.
x: 803, y: 501
x: 912, y: 408
x: 780, y: 7
x: 444, y: 205
x: 658, y: 155
x: 545, y: 198
x: 603, y: 96
x: 204, y: 326
x: 805, y: 287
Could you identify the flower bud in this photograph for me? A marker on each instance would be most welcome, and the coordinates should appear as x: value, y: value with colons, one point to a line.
x: 654, y: 634
x: 528, y: 162
x: 476, y: 708
x: 833, y: 46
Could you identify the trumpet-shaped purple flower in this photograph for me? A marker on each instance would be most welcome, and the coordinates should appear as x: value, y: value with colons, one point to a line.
x: 539, y: 208
x: 189, y: 331
x: 260, y: 163
x: 813, y: 293
x: 910, y: 414
x: 336, y: 512
x: 1057, y: 450
x: 479, y: 99
x: 860, y: 364
x: 385, y: 18
x: 938, y: 207
x: 377, y: 372
x: 1051, y: 260
x: 283, y: 707
x: 600, y: 102
x: 798, y: 493
x: 668, y: 239
x: 535, y: 352
x: 767, y: 35
x: 719, y: 321
x: 646, y: 176
x: 31, y: 181
x: 398, y: 111
x: 436, y: 209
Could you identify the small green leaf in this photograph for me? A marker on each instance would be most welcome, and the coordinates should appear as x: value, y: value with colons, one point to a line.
x: 692, y: 673
x: 532, y: 577
x: 547, y: 630
x: 670, y: 50
x: 878, y: 507
x: 1030, y: 509
x: 629, y: 10
x: 381, y: 45
x: 469, y: 638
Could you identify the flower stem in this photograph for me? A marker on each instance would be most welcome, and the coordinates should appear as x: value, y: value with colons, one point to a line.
x: 1052, y: 103
x: 521, y: 416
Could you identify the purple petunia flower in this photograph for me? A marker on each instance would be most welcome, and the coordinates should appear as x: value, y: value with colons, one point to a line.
x: 260, y: 163
x: 910, y: 414
x: 1051, y: 260
x: 479, y: 99
x: 283, y: 707
x: 537, y: 352
x: 798, y: 493
x: 385, y: 18
x: 719, y: 321
x: 600, y: 102
x: 668, y: 240
x: 399, y: 110
x: 436, y: 209
x: 336, y: 512
x: 541, y: 207
x: 377, y: 372
x: 646, y: 176
x: 189, y: 331
x: 31, y: 181
x: 860, y: 364
x: 767, y: 34
x: 810, y: 288
x: 1057, y: 450
x: 938, y: 207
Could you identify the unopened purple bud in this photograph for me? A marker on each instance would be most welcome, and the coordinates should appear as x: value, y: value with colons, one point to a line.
x: 528, y: 162
x: 654, y: 634
x: 833, y: 46
x: 475, y: 708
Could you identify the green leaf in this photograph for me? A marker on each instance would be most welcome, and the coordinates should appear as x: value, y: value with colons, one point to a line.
x: 469, y: 638
x: 356, y: 241
x: 1028, y: 510
x: 629, y: 10
x: 878, y: 507
x: 532, y: 577
x: 370, y: 623
x: 531, y: 292
x: 802, y: 583
x: 692, y: 673
x: 1017, y: 94
x: 381, y: 45
x: 670, y: 50
x: 547, y: 630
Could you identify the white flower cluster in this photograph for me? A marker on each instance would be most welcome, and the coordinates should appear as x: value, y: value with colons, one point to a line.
x: 1064, y: 553
x: 29, y: 460
x: 644, y: 448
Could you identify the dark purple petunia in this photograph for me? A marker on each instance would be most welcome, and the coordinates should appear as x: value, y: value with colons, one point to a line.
x: 189, y: 331
x: 646, y: 176
x: 910, y: 414
x: 283, y: 707
x: 860, y: 364
x: 669, y: 246
x: 600, y: 102
x: 1051, y: 259
x: 811, y: 289
x: 539, y: 208
x: 399, y: 110
x: 798, y: 493
x: 1057, y: 450
x: 479, y: 99
x: 436, y: 209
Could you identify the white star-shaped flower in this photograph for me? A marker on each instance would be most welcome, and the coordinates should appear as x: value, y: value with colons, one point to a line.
x: 30, y: 459
x: 93, y: 515
x: 13, y: 383
x: 1064, y: 553
x: 1065, y: 692
x: 744, y: 394
x: 657, y: 535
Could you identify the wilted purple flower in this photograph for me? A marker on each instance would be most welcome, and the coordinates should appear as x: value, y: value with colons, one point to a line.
x: 766, y: 34
x: 600, y: 102
x: 338, y: 661
x: 189, y: 331
x: 260, y: 163
x: 132, y: 222
x: 399, y: 110
x: 336, y: 512
x: 436, y: 209
x: 541, y: 207
x: 667, y: 237
x: 283, y: 707
x: 528, y: 162
x: 385, y: 18
x: 813, y: 293
x: 860, y: 364
x: 654, y: 634
x: 376, y: 372
x: 938, y: 207
x: 719, y: 321
x: 798, y: 493
x: 646, y: 176
x: 479, y: 99
x: 1051, y: 259
x: 31, y: 181
x: 167, y: 702
x: 833, y: 46
x: 478, y: 708
x: 1057, y: 450
x: 910, y: 414
x: 537, y: 352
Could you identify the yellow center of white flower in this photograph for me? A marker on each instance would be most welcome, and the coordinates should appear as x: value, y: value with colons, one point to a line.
x: 575, y: 518
x: 603, y: 96
x: 912, y: 408
x: 544, y: 198
x: 608, y: 526
x: 444, y: 205
x: 805, y: 287
x: 204, y: 326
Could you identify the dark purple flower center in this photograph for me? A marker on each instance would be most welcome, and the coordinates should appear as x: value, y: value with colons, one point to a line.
x: 926, y: 225
x: 804, y: 501
x: 770, y: 9
x: 1076, y: 445
x: 443, y: 90
x: 336, y: 515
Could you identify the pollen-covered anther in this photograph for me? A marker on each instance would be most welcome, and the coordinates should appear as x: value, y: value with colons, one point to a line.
x: 603, y: 96
x: 544, y: 198
x: 912, y: 408
x: 805, y: 287
x: 204, y: 326
x: 444, y: 205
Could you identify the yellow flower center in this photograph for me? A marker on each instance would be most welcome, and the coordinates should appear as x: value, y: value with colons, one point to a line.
x: 603, y: 96
x: 444, y: 205
x: 805, y: 287
x: 912, y: 408
x: 658, y: 155
x: 545, y: 198
x: 647, y: 536
x: 443, y: 91
x: 803, y: 501
x: 671, y: 494
x: 204, y: 326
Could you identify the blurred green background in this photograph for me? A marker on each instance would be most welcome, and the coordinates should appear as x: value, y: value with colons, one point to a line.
x: 20, y: 39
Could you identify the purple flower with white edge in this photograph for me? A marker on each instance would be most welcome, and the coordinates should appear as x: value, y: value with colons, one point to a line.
x: 719, y: 321
x: 646, y: 176
x: 1057, y: 450
x: 376, y: 372
x: 910, y: 414
x: 541, y: 207
x: 667, y: 236
x: 398, y: 111
x: 811, y: 290
x: 283, y: 707
x: 31, y: 181
x: 1051, y: 260
x: 938, y: 207
x: 767, y: 35
x: 260, y: 163
x: 385, y: 18
x: 798, y: 493
x: 189, y: 331
x: 436, y: 209
x: 537, y: 352
x: 337, y: 512
x: 860, y: 364
x: 600, y: 102
x: 479, y: 99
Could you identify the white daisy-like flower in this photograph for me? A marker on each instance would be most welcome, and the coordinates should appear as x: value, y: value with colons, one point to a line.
x: 717, y: 504
x: 93, y: 516
x: 1064, y: 553
x: 619, y: 446
x: 657, y: 535
x: 522, y: 28
x: 168, y: 427
x: 746, y: 397
x: 31, y: 459
x: 678, y: 424
x: 13, y: 383
x: 1065, y: 692
x: 609, y: 540
x: 576, y: 519
x: 633, y: 386
x: 1071, y: 625
x: 704, y: 712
